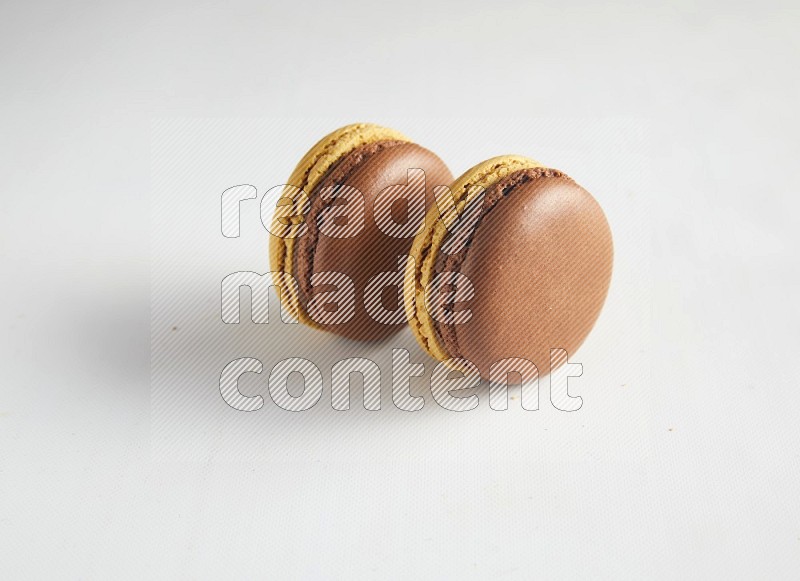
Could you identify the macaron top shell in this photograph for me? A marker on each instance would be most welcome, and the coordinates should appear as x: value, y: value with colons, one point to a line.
x: 369, y: 159
x: 440, y: 217
x: 304, y: 179
x: 539, y: 260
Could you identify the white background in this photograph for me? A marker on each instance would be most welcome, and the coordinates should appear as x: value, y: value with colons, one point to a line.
x: 700, y: 480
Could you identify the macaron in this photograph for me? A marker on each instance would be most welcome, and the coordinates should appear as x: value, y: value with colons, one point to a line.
x: 316, y: 245
x: 514, y: 261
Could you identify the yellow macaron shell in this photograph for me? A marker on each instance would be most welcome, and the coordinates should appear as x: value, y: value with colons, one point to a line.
x: 426, y: 246
x: 307, y: 175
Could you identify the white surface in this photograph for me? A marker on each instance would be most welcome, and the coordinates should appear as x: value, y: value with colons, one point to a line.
x: 705, y: 487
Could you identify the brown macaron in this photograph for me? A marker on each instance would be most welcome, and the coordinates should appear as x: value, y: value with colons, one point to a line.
x: 516, y: 261
x: 345, y: 219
